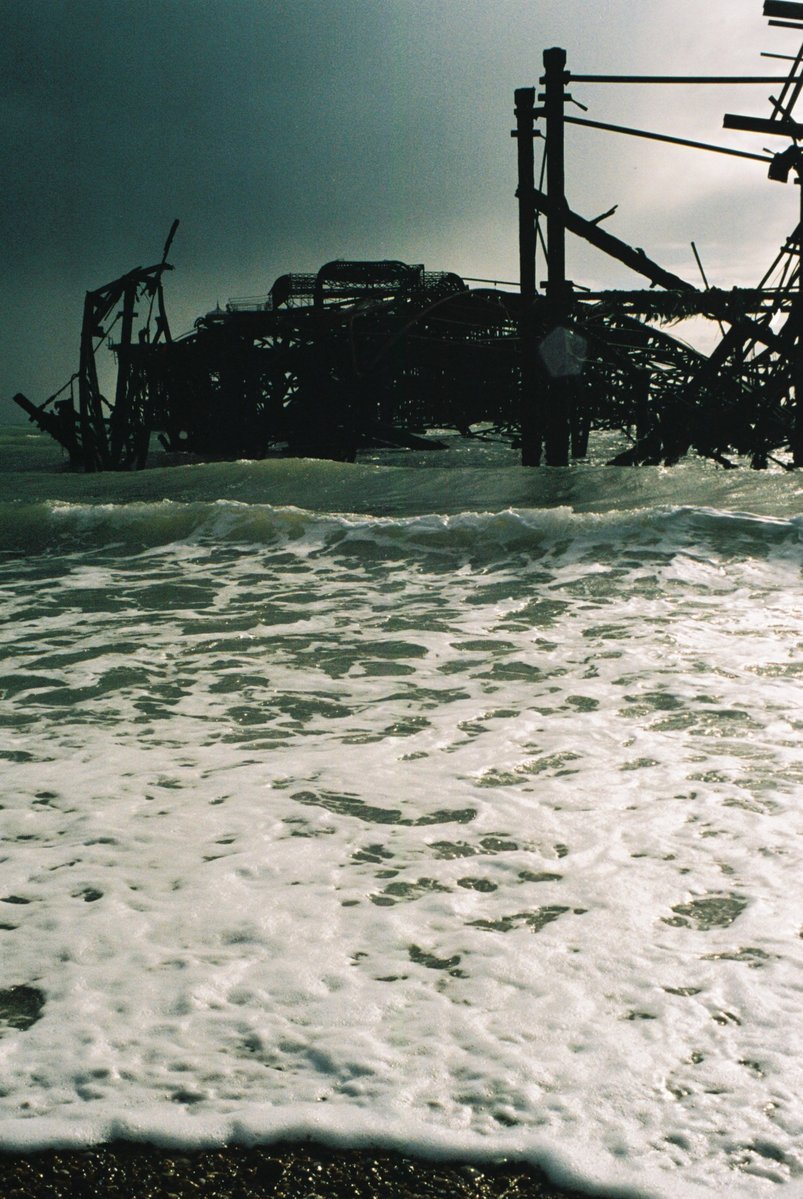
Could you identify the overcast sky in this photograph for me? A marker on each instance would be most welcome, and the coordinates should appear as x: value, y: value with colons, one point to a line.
x: 284, y: 133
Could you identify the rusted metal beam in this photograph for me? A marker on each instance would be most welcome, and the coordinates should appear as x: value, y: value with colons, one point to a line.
x: 636, y: 259
x: 785, y: 103
x: 665, y: 137
x: 684, y: 79
x: 780, y: 126
x: 783, y: 8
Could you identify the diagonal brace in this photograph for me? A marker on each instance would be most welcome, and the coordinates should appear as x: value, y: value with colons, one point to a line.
x: 636, y: 259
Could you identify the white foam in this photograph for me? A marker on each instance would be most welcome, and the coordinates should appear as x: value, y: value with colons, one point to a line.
x: 473, y: 835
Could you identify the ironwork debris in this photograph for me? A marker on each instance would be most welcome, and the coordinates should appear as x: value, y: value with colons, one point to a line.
x: 366, y: 354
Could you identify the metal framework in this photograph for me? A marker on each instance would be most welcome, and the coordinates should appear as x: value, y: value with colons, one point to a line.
x: 741, y: 399
x: 378, y: 353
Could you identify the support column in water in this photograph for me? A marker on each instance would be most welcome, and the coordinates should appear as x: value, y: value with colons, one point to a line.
x: 558, y: 290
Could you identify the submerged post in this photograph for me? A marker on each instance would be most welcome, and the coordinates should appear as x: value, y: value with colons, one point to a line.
x: 558, y: 409
x: 530, y: 416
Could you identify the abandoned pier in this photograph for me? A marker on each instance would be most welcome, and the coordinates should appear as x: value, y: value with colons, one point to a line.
x: 366, y: 354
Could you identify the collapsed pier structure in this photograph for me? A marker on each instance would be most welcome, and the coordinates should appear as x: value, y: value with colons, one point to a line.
x: 365, y: 354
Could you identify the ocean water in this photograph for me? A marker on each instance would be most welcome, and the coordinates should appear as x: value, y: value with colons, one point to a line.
x: 427, y: 802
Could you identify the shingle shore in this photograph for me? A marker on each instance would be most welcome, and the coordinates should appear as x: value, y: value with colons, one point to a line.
x: 126, y: 1171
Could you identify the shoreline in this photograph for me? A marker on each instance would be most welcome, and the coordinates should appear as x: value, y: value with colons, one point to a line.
x: 124, y: 1170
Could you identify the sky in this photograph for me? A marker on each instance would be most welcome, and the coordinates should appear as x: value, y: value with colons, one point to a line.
x: 286, y: 133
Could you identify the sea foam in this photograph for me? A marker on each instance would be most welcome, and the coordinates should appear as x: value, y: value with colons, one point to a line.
x: 474, y: 833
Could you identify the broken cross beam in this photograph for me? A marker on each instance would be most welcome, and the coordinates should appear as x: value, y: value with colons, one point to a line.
x: 636, y: 259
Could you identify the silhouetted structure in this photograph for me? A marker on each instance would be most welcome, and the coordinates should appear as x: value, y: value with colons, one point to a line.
x: 378, y: 353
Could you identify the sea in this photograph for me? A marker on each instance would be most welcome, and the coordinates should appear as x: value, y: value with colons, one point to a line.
x: 426, y: 802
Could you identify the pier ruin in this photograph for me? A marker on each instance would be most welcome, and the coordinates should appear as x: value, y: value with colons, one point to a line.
x: 366, y: 354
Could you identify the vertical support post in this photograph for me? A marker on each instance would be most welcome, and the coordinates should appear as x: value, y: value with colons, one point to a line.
x: 525, y: 133
x: 797, y: 417
x: 557, y: 422
x: 531, y: 420
x: 554, y: 98
x: 120, y: 418
x: 90, y: 410
x: 85, y: 375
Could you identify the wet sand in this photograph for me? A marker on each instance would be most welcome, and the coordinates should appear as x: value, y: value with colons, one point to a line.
x: 125, y: 1171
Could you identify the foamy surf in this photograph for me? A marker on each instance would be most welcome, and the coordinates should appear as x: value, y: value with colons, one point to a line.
x: 470, y: 832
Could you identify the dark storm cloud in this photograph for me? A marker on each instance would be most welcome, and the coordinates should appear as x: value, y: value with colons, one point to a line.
x: 272, y: 128
x: 121, y: 113
x: 254, y: 120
